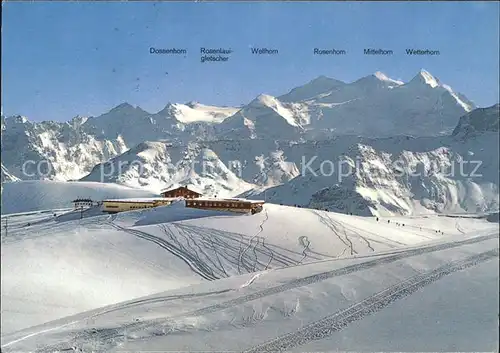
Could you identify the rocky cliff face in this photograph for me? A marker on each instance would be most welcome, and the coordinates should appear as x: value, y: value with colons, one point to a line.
x: 479, y: 121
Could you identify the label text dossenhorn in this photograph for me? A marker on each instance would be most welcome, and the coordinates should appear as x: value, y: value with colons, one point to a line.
x: 174, y: 51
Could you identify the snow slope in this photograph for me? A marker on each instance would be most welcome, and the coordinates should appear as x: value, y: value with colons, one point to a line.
x: 384, y: 300
x: 197, y: 112
x: 55, y: 267
x: 35, y: 195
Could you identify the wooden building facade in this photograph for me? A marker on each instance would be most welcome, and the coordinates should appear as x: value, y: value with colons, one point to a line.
x: 123, y: 205
x: 231, y: 205
x: 182, y: 191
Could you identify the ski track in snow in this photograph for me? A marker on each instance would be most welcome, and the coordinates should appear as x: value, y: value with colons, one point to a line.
x: 457, y: 226
x: 228, y: 248
x: 271, y: 253
x: 356, y: 230
x: 332, y: 225
x: 365, y: 239
x: 304, y: 241
x: 113, y: 336
x: 193, y: 262
x: 336, y: 224
x: 231, y: 244
x: 194, y: 246
x: 335, y: 322
x: 261, y: 229
x: 205, y: 249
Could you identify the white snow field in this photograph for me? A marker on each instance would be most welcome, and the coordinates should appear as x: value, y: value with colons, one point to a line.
x: 286, y: 279
x: 37, y: 195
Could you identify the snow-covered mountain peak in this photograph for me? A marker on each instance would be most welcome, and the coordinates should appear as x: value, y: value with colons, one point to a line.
x: 322, y: 79
x: 18, y: 119
x: 371, y: 83
x: 193, y: 104
x: 122, y: 110
x: 383, y: 77
x: 424, y: 80
x: 428, y: 78
x: 320, y: 85
x: 78, y: 121
x: 265, y: 104
x: 168, y: 111
x: 155, y: 165
x: 123, y: 107
x: 425, y: 77
x: 143, y: 146
x: 265, y: 100
x: 195, y: 112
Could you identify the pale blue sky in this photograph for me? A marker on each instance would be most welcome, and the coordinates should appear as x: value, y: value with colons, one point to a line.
x: 62, y: 59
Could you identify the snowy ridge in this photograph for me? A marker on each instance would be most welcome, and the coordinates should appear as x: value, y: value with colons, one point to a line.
x: 312, y: 89
x: 158, y: 165
x: 227, y: 151
x: 266, y: 117
x: 395, y: 176
x: 197, y: 112
x: 384, y: 183
x: 373, y: 106
x: 6, y: 176
x: 70, y: 150
x: 60, y: 151
x: 232, y: 167
x: 383, y: 77
x: 427, y: 78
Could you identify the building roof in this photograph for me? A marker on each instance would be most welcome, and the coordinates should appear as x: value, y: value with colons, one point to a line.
x: 143, y: 199
x: 242, y: 199
x: 228, y: 199
x: 82, y: 200
x: 188, y: 187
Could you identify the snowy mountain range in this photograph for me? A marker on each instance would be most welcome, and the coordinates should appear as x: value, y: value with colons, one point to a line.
x: 397, y: 175
x: 229, y: 151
